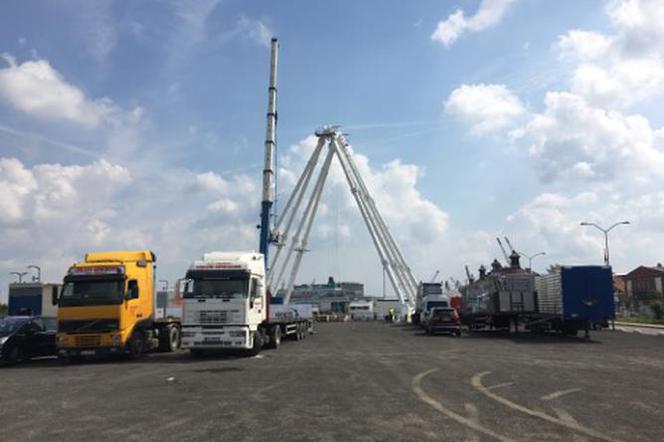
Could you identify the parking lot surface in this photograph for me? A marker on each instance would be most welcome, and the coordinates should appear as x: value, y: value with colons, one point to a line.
x: 354, y: 381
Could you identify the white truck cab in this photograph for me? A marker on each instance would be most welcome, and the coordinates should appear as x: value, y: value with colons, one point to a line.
x: 225, y: 303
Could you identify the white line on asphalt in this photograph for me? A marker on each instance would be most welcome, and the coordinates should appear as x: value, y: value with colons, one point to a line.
x: 557, y: 394
x: 417, y: 389
x: 504, y: 384
x: 476, y: 381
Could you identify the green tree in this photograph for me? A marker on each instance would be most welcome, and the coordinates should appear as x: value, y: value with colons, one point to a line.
x: 3, y: 310
x: 658, y: 309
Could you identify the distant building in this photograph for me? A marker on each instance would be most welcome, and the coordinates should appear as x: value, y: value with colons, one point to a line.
x: 645, y: 282
x: 331, y: 297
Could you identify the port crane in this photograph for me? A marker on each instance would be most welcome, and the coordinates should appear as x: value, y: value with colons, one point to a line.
x: 291, y: 230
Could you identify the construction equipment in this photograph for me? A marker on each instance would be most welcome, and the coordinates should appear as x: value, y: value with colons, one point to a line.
x: 291, y: 245
x: 270, y: 144
x: 507, y: 258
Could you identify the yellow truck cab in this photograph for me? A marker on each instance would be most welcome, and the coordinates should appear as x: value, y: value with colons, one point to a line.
x: 107, y: 306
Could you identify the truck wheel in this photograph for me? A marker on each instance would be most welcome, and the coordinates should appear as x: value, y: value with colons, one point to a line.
x: 136, y: 347
x: 275, y: 338
x: 258, y: 344
x: 170, y: 340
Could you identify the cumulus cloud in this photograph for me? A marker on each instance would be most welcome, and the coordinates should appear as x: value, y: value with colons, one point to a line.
x: 622, y: 69
x: 489, y: 14
x: 36, y: 88
x: 572, y: 139
x: 551, y: 222
x: 485, y: 107
x: 49, y: 192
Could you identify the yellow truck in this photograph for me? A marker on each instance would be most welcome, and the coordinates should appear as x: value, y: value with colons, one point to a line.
x: 107, y: 307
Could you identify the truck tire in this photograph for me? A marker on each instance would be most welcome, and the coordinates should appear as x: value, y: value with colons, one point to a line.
x: 258, y: 344
x: 169, y: 340
x: 136, y: 346
x: 275, y: 337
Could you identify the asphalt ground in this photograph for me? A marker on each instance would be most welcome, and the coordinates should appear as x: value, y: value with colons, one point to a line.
x: 354, y: 381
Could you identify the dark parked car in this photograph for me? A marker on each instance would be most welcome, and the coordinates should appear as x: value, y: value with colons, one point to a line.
x: 25, y: 337
x: 444, y: 319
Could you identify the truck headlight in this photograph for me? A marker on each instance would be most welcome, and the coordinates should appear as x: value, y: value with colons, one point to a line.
x: 115, y: 340
x: 3, y: 340
x: 62, y: 340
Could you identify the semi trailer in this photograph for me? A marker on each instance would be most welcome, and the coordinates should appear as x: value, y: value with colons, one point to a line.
x: 227, y: 306
x: 107, y: 307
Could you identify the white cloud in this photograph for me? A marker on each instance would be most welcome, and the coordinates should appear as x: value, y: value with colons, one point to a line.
x: 617, y: 71
x: 572, y: 139
x: 255, y: 30
x: 488, y: 15
x: 584, y: 45
x: 48, y: 192
x: 36, y: 88
x: 485, y: 107
x: 551, y: 222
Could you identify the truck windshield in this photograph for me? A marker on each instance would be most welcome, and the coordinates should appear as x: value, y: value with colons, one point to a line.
x: 433, y: 304
x: 219, y: 288
x: 97, y: 292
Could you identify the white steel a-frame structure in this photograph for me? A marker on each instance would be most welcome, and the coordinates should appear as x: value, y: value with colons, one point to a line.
x: 291, y: 244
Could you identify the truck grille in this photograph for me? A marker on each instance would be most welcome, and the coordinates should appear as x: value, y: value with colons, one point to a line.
x: 88, y: 341
x: 213, y: 317
x: 88, y: 326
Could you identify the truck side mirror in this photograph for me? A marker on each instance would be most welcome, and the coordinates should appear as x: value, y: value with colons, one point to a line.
x: 54, y: 295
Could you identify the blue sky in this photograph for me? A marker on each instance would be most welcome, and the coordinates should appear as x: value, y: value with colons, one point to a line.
x: 157, y: 138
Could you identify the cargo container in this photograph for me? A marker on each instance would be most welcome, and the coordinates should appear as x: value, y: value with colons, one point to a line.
x: 573, y: 297
x: 33, y: 299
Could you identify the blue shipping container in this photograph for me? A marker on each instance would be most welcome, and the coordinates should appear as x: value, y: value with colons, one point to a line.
x: 587, y: 293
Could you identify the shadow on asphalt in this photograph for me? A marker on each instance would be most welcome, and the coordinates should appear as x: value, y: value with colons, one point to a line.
x: 179, y: 357
x: 523, y: 337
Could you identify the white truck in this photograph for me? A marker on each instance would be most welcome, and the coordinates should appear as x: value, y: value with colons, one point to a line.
x: 227, y: 307
x: 429, y: 295
x: 361, y: 311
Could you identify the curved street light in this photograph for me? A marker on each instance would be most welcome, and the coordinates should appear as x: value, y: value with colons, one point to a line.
x: 530, y: 259
x: 38, y: 277
x: 606, y: 236
x: 20, y: 275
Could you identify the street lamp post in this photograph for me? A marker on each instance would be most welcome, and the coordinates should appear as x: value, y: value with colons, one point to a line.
x: 38, y: 277
x: 530, y: 259
x: 606, y: 236
x: 20, y: 275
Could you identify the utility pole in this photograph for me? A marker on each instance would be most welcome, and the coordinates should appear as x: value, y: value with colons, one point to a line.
x: 270, y: 143
x: 38, y: 277
x: 530, y: 259
x: 606, y: 236
x: 20, y: 275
